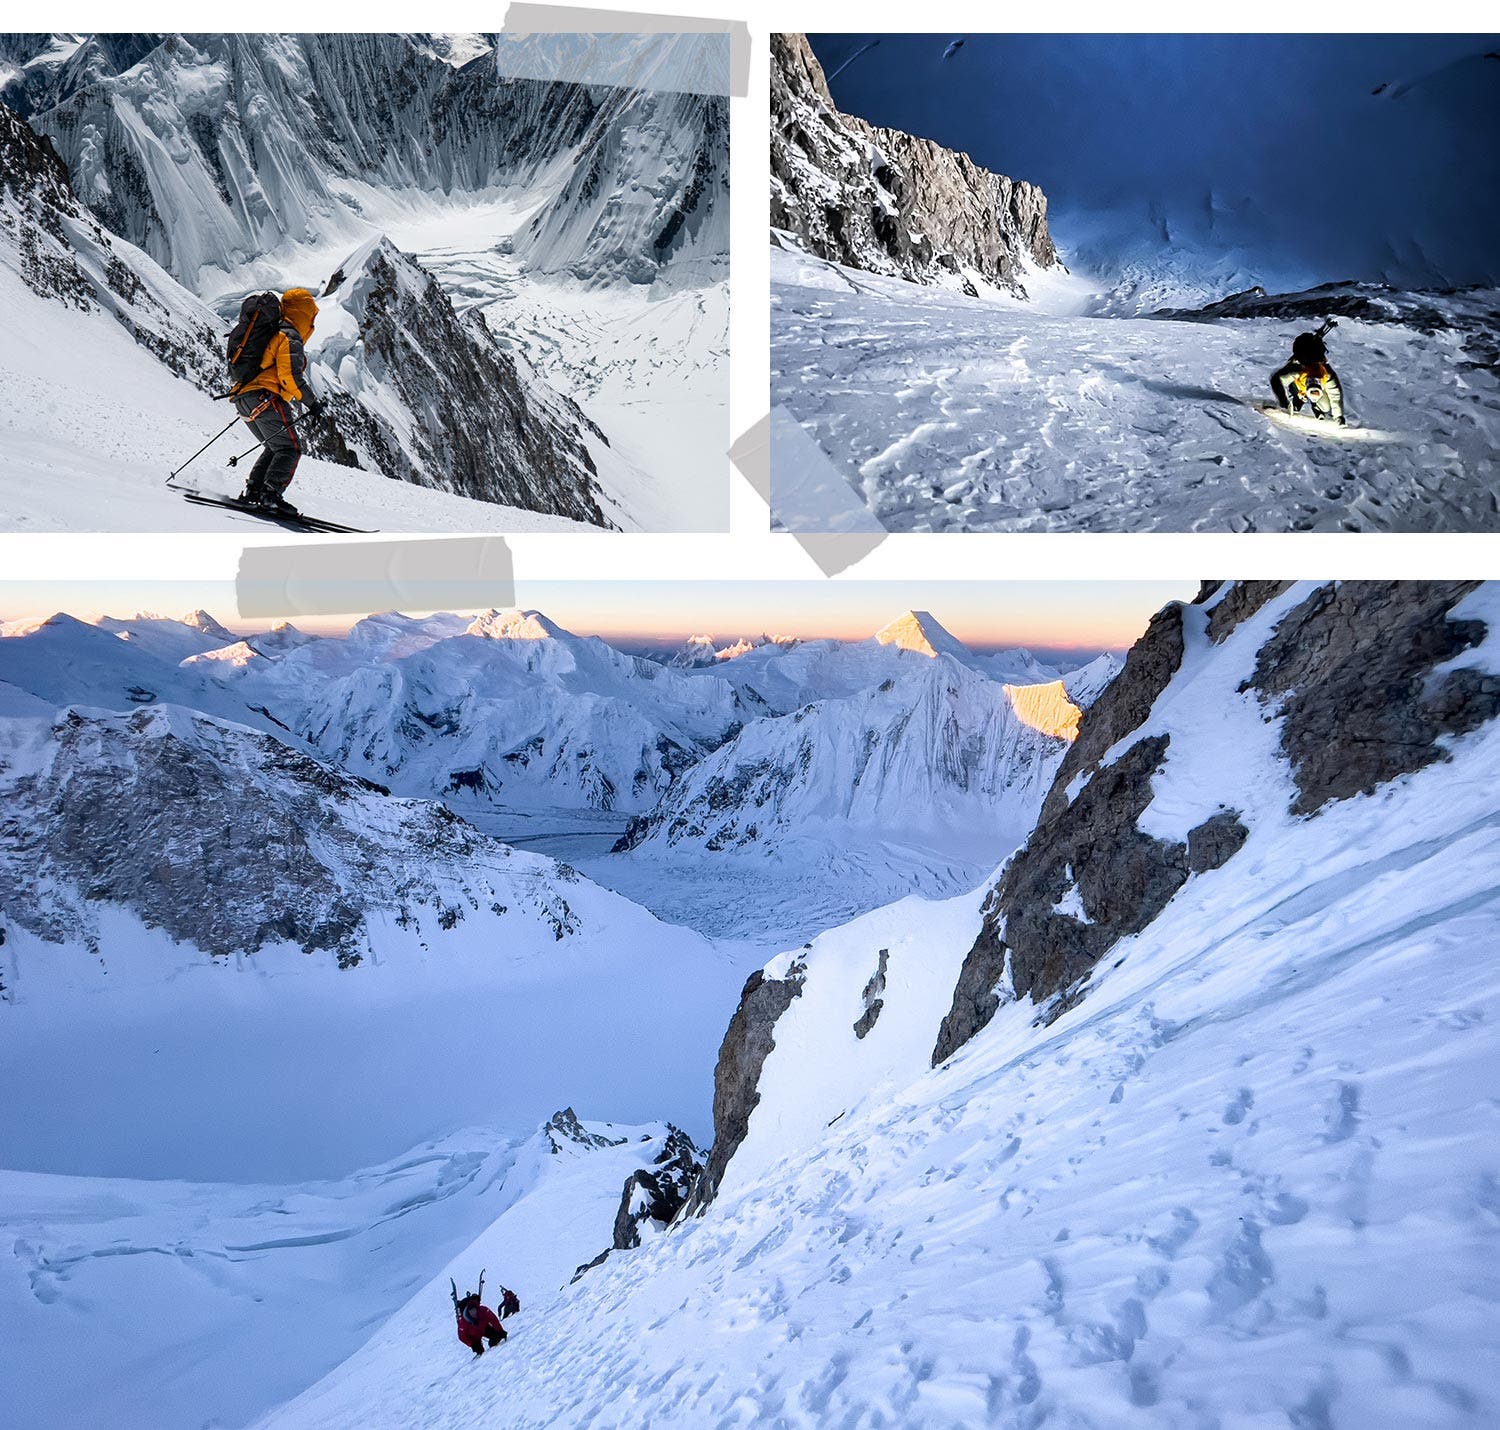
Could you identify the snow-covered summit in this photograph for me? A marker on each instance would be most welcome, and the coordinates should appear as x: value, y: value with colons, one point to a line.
x: 920, y: 631
x: 516, y: 625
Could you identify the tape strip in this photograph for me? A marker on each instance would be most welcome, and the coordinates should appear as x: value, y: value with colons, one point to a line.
x: 560, y: 42
x: 332, y: 579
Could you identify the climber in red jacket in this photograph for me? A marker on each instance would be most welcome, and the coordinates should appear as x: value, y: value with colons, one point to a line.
x: 477, y: 1324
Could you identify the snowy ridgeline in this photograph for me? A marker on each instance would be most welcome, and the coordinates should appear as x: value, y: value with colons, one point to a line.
x: 1182, y: 1133
x: 906, y: 762
x: 505, y: 325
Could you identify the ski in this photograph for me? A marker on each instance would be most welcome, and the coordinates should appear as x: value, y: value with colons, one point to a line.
x: 310, y: 524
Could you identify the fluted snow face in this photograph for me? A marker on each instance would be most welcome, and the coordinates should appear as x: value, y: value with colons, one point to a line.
x: 214, y: 150
x: 931, y: 749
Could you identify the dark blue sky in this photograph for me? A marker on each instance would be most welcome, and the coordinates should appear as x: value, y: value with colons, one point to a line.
x: 1282, y: 130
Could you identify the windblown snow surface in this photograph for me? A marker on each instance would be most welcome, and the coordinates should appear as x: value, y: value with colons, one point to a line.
x: 944, y: 413
x: 1248, y: 1179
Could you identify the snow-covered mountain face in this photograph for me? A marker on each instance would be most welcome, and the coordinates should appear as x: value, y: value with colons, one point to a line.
x: 430, y: 396
x: 894, y: 765
x: 703, y: 652
x: 509, y: 712
x: 149, y: 812
x: 932, y: 752
x: 209, y: 151
x: 60, y: 251
x: 1212, y: 1137
x: 888, y: 202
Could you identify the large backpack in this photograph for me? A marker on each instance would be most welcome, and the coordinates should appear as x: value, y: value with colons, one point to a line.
x: 260, y: 318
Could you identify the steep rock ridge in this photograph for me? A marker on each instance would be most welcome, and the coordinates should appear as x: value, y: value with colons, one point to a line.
x: 1356, y: 672
x: 149, y: 811
x: 747, y: 1044
x: 889, y: 202
x: 61, y: 251
x: 211, y: 150
x: 1352, y: 676
x: 430, y: 396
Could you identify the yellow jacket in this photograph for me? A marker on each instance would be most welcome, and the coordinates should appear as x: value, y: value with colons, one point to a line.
x: 283, y: 368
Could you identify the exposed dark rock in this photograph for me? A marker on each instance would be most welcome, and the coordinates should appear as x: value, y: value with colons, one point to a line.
x: 873, y: 1000
x: 1152, y: 662
x: 229, y: 840
x: 485, y: 427
x: 1350, y: 672
x: 1241, y: 601
x: 658, y: 1193
x: 1123, y: 877
x: 886, y: 201
x: 1215, y: 841
x: 564, y: 1127
x: 1352, y: 668
x: 747, y: 1044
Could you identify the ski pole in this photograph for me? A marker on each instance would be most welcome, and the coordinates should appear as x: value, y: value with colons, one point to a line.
x: 234, y: 461
x: 201, y: 450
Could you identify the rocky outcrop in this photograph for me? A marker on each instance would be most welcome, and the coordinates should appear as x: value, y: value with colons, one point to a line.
x: 873, y: 996
x: 565, y: 1128
x: 747, y: 1044
x: 429, y: 396
x: 230, y: 841
x: 889, y: 202
x: 1086, y: 839
x: 657, y: 1193
x: 1352, y: 672
x: 62, y: 252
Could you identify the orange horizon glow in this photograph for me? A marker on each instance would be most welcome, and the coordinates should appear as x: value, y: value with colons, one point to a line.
x: 1056, y: 616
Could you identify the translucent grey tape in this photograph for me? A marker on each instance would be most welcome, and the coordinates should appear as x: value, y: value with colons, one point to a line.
x: 846, y: 531
x: 337, y: 578
x: 680, y: 54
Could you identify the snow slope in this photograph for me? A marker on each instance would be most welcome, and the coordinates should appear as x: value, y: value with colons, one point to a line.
x: 1240, y: 1176
x: 949, y: 414
x: 89, y: 444
x: 207, y: 1304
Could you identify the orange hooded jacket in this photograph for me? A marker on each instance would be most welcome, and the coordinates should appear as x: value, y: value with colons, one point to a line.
x: 284, y: 363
